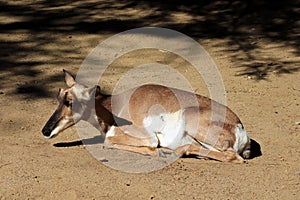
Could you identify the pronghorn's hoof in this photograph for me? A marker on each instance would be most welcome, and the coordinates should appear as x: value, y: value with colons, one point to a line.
x: 232, y: 156
x: 247, y: 154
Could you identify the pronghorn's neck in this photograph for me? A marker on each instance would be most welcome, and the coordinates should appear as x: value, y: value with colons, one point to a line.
x: 103, y: 112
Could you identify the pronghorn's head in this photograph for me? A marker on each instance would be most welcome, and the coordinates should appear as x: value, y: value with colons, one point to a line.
x: 75, y: 103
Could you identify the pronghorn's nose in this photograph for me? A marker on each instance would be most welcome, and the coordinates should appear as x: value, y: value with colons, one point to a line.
x: 46, y: 134
x: 51, y: 124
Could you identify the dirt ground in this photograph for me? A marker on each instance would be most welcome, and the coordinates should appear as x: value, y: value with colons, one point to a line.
x: 255, y: 47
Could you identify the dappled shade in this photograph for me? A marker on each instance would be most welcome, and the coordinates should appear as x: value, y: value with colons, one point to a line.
x: 241, y: 23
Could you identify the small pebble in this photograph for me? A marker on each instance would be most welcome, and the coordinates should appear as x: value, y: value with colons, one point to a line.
x: 104, y: 160
x: 163, y: 51
x: 128, y: 183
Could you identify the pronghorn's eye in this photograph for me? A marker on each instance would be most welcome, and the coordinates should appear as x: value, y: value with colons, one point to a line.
x: 69, y: 104
x: 66, y: 101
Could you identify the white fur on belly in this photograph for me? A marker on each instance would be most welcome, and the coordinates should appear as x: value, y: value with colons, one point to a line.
x: 169, y: 129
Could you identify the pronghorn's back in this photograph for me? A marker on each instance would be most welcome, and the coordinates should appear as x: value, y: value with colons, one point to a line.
x: 170, y: 100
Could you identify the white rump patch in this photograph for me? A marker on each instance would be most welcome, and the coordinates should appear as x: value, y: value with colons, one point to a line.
x: 169, y: 128
x: 241, y: 138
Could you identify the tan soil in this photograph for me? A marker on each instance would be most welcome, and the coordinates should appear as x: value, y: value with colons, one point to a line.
x: 259, y: 67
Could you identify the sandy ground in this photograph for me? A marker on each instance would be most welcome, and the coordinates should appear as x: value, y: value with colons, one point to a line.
x: 260, y: 71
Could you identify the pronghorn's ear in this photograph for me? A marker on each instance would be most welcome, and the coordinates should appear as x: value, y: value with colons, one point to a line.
x: 93, y: 91
x: 98, y: 90
x: 69, y: 79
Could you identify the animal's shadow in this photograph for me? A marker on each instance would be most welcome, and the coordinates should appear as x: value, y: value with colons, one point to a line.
x: 90, y: 141
x: 95, y: 140
x: 255, y: 146
x: 255, y: 149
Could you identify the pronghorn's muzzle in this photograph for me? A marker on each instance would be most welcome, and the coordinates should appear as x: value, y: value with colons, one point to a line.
x: 51, y: 124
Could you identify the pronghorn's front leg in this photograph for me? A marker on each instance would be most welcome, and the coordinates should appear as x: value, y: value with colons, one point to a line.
x: 150, y: 151
x: 122, y: 136
x: 119, y: 138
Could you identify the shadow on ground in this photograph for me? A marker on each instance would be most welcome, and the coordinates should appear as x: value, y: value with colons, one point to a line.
x: 241, y: 23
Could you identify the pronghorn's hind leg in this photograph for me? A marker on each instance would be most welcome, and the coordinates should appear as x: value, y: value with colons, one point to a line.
x: 229, y: 155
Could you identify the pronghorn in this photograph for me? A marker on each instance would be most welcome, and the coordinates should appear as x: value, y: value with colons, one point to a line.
x: 170, y: 130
